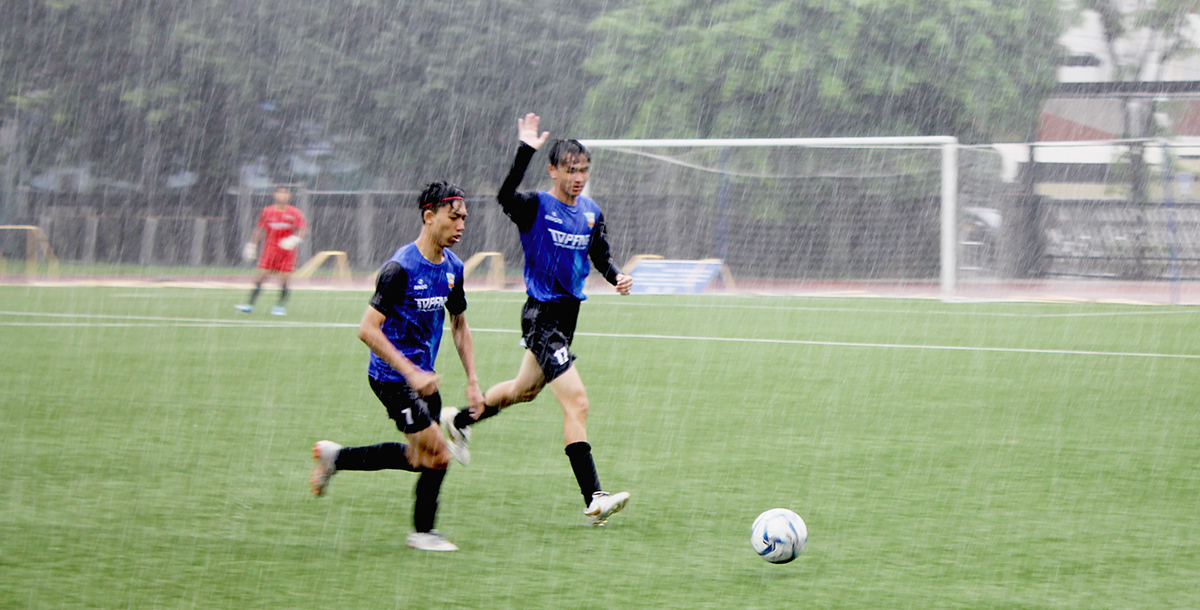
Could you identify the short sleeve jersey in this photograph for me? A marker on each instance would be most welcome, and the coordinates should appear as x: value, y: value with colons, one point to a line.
x: 414, y: 295
x: 556, y: 248
x: 279, y: 224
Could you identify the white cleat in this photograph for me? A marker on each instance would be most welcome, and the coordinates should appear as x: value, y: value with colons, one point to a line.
x: 604, y: 506
x: 278, y: 310
x: 456, y: 438
x: 244, y: 308
x: 430, y: 541
x: 325, y: 452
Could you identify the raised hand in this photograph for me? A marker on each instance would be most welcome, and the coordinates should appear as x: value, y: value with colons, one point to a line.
x: 527, y: 130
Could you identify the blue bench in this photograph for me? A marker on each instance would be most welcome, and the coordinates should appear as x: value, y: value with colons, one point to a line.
x: 662, y: 276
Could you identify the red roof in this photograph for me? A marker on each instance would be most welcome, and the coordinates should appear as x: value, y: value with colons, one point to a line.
x: 1057, y: 129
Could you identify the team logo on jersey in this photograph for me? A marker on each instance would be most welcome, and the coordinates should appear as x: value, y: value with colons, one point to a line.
x: 430, y: 303
x: 450, y: 279
x: 591, y: 218
x: 570, y: 240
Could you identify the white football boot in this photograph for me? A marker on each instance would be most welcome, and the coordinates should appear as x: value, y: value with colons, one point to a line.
x: 456, y: 438
x: 244, y: 308
x: 325, y: 452
x: 604, y: 505
x: 430, y: 541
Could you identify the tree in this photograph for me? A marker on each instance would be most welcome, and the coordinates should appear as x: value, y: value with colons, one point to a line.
x: 99, y: 84
x: 411, y: 90
x: 1141, y: 38
x: 758, y: 68
x: 407, y: 90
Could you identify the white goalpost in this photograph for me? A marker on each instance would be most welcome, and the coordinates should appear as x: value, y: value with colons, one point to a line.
x: 948, y: 173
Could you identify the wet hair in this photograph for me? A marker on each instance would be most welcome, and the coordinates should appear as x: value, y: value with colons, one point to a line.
x: 438, y: 195
x: 563, y: 151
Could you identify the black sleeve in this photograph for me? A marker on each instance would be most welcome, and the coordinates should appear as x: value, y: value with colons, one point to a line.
x: 457, y: 302
x: 600, y: 254
x: 520, y: 207
x: 390, y: 288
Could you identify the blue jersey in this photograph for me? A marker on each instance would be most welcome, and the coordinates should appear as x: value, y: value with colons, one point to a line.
x: 558, y: 239
x: 556, y: 248
x: 414, y: 295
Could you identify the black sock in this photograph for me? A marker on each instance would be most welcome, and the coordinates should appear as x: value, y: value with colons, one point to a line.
x: 283, y: 294
x: 384, y: 456
x: 580, y: 455
x: 254, y: 293
x: 464, y: 419
x: 426, y: 505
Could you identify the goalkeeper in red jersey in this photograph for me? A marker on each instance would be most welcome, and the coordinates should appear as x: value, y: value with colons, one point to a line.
x: 280, y: 227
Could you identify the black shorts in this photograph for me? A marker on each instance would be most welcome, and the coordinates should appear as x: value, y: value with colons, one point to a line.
x: 547, y: 328
x: 411, y: 413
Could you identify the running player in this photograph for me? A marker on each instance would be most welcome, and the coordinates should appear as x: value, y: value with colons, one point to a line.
x: 403, y: 328
x: 280, y: 227
x: 560, y: 230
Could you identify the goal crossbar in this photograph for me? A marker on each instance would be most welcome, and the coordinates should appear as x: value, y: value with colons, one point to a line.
x: 949, y: 175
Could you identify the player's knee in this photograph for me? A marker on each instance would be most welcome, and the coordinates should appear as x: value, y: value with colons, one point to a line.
x: 577, y: 405
x: 439, y: 459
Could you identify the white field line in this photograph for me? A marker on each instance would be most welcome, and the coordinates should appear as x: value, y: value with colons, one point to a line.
x: 160, y: 322
x: 181, y: 325
x: 173, y: 321
x: 995, y: 314
x: 1013, y: 350
x: 610, y: 300
x: 1157, y: 311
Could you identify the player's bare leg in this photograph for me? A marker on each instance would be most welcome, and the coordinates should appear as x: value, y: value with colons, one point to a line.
x: 427, y: 449
x: 568, y: 389
x: 424, y: 453
x: 523, y: 388
x: 572, y: 396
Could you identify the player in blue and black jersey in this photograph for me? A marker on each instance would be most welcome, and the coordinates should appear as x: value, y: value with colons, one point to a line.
x: 561, y: 231
x: 403, y: 328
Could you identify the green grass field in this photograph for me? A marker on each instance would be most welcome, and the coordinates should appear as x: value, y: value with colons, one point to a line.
x: 156, y: 451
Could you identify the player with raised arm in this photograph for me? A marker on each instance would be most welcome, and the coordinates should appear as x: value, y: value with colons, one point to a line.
x: 280, y: 227
x: 403, y: 328
x: 560, y: 231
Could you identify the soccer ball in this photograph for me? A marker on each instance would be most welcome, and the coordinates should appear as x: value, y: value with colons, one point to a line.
x: 778, y: 535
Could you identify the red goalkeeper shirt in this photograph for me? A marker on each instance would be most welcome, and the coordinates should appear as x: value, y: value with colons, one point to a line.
x: 279, y: 224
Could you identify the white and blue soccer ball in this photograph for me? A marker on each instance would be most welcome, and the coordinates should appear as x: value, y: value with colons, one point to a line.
x: 778, y: 535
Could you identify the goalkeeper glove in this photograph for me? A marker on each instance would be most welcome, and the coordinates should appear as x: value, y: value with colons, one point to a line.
x: 290, y: 242
x: 249, y: 251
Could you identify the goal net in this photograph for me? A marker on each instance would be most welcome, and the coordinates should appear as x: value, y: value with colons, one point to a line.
x: 918, y: 215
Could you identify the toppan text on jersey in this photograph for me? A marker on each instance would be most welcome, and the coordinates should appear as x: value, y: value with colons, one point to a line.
x: 570, y: 240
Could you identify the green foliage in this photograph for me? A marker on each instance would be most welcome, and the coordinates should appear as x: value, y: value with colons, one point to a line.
x: 1141, y: 38
x: 410, y: 90
x: 758, y: 68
